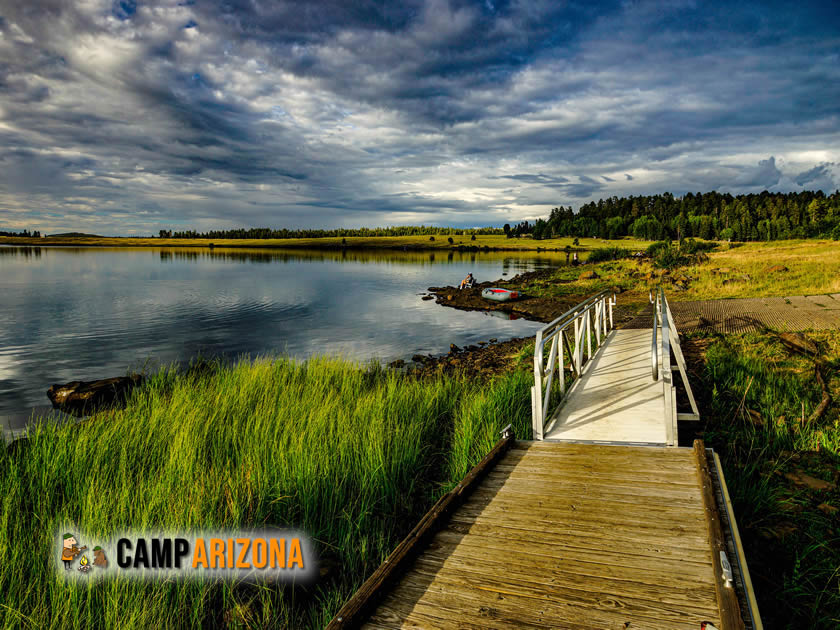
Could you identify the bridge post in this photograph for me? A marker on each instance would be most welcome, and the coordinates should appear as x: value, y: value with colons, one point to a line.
x: 536, y: 390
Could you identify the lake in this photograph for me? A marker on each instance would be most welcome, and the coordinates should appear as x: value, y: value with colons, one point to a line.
x: 90, y: 313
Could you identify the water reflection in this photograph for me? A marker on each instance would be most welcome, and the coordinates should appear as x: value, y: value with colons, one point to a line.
x: 509, y: 260
x: 26, y: 251
x: 87, y: 313
x: 504, y: 315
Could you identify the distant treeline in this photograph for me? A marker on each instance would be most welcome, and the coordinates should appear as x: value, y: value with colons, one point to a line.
x: 755, y: 217
x: 259, y: 233
x: 23, y: 234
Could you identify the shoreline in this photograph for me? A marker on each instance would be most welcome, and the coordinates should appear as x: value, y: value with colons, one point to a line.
x: 327, y: 243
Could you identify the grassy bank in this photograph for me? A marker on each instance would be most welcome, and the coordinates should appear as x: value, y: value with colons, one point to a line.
x: 813, y: 267
x: 413, y: 242
x: 783, y: 471
x: 352, y: 456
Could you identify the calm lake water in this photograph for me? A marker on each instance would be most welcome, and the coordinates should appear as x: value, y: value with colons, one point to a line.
x: 89, y: 313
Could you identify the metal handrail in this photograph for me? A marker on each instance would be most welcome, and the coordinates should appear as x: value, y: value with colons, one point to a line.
x: 666, y: 335
x: 568, y: 316
x: 653, y: 350
x: 593, y: 316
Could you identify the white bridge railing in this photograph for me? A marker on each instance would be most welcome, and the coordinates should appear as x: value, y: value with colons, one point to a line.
x: 591, y: 320
x: 661, y: 367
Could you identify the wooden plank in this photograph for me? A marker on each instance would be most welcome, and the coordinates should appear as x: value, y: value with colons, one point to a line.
x: 653, y: 453
x: 614, y: 485
x: 353, y: 611
x: 595, y: 474
x: 594, y: 561
x: 644, y: 527
x: 655, y: 495
x: 480, y: 608
x: 649, y: 585
x: 583, y: 492
x: 461, y: 584
x: 435, y: 610
x: 727, y: 599
x: 479, y: 603
x: 584, y: 591
x: 576, y: 451
x: 585, y: 545
x: 580, y: 510
x: 605, y: 463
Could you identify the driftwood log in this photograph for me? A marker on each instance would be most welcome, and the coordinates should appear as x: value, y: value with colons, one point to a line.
x: 797, y: 342
x: 82, y: 398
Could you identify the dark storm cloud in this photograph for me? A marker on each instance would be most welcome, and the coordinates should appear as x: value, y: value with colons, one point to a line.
x: 764, y: 176
x: 821, y: 171
x: 133, y: 116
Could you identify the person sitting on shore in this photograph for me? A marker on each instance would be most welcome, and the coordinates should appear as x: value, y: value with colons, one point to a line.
x: 468, y: 282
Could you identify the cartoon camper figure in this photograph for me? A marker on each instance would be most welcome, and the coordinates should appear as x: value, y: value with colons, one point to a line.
x: 70, y: 550
x: 99, y: 559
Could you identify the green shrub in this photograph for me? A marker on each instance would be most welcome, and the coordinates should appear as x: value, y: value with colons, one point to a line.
x: 603, y: 254
x: 654, y: 248
x: 691, y: 246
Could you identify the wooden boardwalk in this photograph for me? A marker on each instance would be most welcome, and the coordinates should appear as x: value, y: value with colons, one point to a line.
x: 569, y: 531
x: 564, y: 535
x: 616, y: 398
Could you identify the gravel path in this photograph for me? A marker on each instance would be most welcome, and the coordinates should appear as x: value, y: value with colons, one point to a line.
x: 797, y: 312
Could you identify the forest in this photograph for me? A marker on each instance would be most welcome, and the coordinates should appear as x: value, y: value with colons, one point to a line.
x: 715, y: 216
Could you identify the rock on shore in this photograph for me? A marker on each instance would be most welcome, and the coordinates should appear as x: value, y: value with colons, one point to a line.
x: 82, y: 398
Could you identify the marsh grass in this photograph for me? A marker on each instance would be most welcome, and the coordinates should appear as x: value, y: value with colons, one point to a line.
x: 759, y: 400
x: 350, y: 455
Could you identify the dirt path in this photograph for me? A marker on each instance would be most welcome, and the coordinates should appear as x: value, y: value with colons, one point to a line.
x: 811, y: 312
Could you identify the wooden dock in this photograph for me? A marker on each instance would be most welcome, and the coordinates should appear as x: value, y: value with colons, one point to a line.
x: 564, y: 535
x: 615, y: 399
x: 570, y: 531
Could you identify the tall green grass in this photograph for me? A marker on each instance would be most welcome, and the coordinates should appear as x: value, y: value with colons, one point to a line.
x: 350, y: 455
x: 792, y: 544
x: 608, y: 253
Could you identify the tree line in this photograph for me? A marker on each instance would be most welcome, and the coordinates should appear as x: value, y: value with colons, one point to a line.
x: 23, y: 234
x: 263, y: 233
x: 715, y: 216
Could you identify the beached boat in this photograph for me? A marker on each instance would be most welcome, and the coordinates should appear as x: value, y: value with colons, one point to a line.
x: 499, y: 295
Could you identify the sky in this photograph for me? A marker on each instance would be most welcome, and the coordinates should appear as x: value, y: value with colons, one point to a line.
x: 126, y: 117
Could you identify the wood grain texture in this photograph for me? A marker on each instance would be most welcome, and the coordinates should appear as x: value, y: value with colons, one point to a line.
x: 357, y: 608
x: 569, y: 547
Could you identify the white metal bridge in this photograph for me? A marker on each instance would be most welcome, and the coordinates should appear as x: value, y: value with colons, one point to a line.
x: 593, y: 383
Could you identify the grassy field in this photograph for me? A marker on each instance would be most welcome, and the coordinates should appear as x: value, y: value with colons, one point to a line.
x: 758, y: 400
x: 352, y: 456
x: 813, y: 268
x: 440, y: 242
